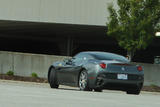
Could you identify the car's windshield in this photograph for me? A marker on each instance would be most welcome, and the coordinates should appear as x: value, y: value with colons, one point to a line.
x: 108, y: 56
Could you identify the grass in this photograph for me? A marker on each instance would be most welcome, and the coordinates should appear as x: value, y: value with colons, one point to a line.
x: 10, y: 73
x: 34, y: 75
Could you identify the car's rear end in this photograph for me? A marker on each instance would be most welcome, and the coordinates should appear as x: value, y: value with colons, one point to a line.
x: 120, y: 76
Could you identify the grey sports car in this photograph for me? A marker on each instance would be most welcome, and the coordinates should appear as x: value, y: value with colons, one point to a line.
x: 98, y: 71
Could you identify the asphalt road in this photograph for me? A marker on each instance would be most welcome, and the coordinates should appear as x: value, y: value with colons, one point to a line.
x: 25, y: 94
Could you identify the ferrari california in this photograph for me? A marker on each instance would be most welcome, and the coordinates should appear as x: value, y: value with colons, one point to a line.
x: 97, y: 71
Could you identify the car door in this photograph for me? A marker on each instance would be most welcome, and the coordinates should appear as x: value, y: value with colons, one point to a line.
x: 67, y: 72
x: 71, y: 73
x: 77, y: 66
x: 74, y: 71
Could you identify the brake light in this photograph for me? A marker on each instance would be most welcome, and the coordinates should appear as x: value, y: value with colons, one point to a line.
x: 139, y: 68
x: 103, y: 65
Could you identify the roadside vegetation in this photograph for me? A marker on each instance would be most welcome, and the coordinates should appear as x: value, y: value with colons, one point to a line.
x: 21, y: 78
x: 35, y: 75
x: 10, y: 73
x: 134, y: 23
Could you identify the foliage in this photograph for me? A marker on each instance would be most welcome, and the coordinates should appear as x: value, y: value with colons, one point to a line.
x: 34, y: 74
x: 10, y: 73
x: 134, y: 23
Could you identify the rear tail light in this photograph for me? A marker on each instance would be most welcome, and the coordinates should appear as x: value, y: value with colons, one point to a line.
x: 103, y: 65
x: 139, y: 68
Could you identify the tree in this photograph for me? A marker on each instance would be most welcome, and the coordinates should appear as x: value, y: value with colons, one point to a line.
x: 134, y: 23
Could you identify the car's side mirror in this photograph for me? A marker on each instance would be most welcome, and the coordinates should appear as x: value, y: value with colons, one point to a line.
x: 68, y: 61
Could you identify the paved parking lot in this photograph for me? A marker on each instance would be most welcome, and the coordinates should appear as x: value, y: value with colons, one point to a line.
x: 25, y: 94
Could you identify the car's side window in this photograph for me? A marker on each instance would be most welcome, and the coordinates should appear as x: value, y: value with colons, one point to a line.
x: 78, y: 58
x: 81, y: 58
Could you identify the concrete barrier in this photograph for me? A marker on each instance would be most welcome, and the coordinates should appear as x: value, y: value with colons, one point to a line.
x: 24, y: 64
x: 151, y: 74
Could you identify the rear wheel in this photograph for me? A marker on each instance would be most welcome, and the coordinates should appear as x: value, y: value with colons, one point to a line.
x: 98, y: 90
x: 52, y: 79
x: 136, y: 91
x: 83, y: 81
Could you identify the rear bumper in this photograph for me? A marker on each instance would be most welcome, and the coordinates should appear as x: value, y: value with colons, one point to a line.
x: 110, y: 81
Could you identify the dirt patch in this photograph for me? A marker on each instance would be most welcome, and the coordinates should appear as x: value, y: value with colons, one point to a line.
x: 152, y: 88
x: 20, y: 78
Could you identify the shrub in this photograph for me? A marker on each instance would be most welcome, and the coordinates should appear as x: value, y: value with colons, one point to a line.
x: 34, y: 74
x: 10, y: 73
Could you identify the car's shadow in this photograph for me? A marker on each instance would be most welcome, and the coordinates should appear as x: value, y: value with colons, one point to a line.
x: 69, y: 89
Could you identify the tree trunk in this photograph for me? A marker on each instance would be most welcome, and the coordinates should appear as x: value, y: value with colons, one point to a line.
x: 130, y: 55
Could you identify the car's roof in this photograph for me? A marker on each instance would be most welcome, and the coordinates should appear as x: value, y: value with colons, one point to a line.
x: 102, y: 55
x: 100, y: 52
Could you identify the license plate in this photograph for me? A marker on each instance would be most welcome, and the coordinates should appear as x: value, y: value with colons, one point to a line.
x: 122, y: 76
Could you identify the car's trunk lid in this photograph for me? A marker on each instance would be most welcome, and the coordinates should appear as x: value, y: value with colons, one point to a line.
x: 120, y: 67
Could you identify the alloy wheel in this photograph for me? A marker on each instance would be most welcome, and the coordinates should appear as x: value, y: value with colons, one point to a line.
x: 83, y: 80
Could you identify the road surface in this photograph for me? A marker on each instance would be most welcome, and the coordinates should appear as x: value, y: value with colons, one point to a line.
x: 26, y: 94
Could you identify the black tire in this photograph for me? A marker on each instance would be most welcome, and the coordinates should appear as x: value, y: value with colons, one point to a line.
x: 98, y: 90
x: 52, y: 79
x: 83, y: 81
x: 135, y: 92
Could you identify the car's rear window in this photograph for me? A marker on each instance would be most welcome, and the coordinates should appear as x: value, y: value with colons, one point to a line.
x: 109, y: 56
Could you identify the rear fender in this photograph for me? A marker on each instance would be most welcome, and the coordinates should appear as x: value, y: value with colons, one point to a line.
x: 92, y: 70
